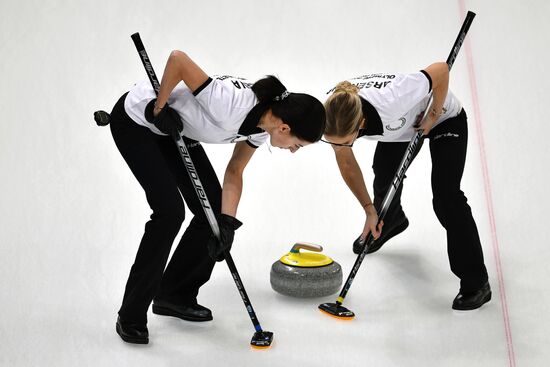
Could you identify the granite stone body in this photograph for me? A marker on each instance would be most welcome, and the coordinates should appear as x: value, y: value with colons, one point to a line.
x: 306, y: 282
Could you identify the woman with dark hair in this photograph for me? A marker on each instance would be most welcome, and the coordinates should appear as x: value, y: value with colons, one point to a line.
x: 389, y: 108
x: 220, y: 109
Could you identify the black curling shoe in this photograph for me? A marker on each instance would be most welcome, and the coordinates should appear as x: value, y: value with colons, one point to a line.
x: 387, y: 233
x: 192, y: 312
x: 472, y: 300
x: 132, y: 333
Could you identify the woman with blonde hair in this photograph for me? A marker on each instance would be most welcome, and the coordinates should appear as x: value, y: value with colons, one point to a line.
x: 390, y: 108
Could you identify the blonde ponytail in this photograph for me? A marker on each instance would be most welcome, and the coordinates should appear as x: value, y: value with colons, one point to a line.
x: 344, y: 110
x: 346, y: 87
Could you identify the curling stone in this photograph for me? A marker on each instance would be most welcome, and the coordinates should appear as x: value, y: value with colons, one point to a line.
x: 306, y: 274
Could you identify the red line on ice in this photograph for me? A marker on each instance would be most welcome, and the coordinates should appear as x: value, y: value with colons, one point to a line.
x: 488, y: 195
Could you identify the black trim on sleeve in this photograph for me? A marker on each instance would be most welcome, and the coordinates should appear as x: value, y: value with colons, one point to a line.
x: 203, y: 85
x: 372, y: 118
x: 251, y: 145
x: 429, y: 79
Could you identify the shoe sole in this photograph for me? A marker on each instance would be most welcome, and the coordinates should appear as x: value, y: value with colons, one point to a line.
x: 163, y: 311
x: 474, y: 307
x: 129, y: 339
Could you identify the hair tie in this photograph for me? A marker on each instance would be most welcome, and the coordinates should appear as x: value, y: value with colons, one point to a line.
x: 282, y: 96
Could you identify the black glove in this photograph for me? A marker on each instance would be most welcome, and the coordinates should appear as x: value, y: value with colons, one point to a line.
x: 228, y: 225
x: 167, y: 121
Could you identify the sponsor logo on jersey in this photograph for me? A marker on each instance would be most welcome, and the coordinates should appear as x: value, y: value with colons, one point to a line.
x: 370, y: 76
x: 239, y: 83
x: 402, y: 120
x: 370, y: 84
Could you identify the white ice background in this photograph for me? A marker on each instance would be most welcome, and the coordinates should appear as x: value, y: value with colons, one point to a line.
x: 72, y: 214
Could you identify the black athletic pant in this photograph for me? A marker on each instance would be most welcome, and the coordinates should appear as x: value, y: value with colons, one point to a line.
x: 155, y: 162
x: 448, y: 142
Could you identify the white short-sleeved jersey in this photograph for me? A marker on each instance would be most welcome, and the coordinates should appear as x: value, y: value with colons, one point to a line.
x: 393, y: 103
x: 214, y: 113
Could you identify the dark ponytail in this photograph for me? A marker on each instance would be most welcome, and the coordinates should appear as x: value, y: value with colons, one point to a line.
x: 268, y: 89
x: 304, y: 114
